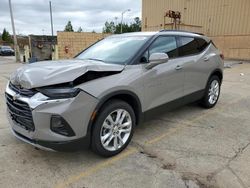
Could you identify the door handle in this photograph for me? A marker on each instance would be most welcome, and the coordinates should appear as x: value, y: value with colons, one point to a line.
x: 206, y: 58
x: 178, y: 67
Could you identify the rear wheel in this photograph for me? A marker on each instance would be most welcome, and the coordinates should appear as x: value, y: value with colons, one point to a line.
x: 113, y: 128
x: 212, y: 92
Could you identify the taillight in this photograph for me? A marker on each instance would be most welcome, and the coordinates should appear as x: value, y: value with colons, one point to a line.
x: 222, y: 56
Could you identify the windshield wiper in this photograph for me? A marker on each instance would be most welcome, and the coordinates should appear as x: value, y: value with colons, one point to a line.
x: 93, y: 59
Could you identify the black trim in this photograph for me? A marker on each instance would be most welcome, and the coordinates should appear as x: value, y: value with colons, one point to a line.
x: 65, y: 146
x: 157, y: 111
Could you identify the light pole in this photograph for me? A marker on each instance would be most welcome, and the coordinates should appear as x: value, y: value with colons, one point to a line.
x: 116, y: 18
x: 14, y: 34
x: 122, y: 17
x: 51, y: 19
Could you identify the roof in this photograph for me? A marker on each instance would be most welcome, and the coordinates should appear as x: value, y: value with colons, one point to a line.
x: 135, y: 34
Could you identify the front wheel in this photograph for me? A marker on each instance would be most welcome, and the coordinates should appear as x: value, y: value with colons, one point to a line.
x: 212, y: 92
x: 113, y: 128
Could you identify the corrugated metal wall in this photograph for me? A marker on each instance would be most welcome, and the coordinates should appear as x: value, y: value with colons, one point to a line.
x: 214, y: 18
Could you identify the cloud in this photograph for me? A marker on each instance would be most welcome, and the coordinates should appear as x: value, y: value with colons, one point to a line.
x: 32, y: 17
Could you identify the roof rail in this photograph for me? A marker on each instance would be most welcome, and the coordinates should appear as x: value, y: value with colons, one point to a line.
x: 174, y: 30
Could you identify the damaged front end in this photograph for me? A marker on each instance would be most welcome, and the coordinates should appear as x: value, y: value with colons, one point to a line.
x: 45, y: 106
x: 68, y: 90
x: 53, y: 73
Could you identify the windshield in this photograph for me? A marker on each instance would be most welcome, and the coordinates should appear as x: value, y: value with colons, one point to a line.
x: 115, y: 50
x: 6, y: 47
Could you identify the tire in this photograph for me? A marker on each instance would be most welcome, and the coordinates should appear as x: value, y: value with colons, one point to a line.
x: 210, y: 99
x: 121, y: 131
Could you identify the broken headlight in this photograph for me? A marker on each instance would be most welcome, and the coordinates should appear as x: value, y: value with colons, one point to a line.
x: 59, y: 93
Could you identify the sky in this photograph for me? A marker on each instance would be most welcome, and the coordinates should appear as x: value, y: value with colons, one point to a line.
x: 32, y: 16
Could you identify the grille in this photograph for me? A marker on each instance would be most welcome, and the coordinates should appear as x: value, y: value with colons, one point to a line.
x: 22, y: 91
x: 20, y: 112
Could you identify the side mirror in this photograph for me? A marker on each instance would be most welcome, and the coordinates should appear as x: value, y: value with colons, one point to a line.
x: 156, y: 59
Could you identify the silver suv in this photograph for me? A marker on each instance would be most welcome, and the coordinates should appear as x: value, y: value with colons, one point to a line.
x: 99, y: 97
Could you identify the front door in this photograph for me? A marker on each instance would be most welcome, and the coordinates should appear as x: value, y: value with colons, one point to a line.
x: 163, y: 83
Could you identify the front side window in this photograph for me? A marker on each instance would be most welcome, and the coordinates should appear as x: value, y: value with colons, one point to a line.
x: 191, y: 46
x: 115, y: 50
x: 164, y: 44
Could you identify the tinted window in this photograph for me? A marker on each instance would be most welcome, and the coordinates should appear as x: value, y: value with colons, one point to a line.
x: 191, y: 46
x: 164, y: 44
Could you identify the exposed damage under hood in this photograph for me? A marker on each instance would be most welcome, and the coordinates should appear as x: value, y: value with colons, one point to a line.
x: 48, y: 73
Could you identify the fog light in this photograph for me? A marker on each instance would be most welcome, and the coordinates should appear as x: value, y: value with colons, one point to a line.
x: 60, y: 126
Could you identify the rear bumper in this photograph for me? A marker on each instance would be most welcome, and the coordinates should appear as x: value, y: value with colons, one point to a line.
x: 73, y: 145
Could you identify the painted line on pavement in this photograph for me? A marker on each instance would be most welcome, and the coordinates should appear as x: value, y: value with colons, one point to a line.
x: 133, y: 150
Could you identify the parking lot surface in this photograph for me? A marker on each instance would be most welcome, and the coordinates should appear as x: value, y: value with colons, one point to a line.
x: 188, y: 147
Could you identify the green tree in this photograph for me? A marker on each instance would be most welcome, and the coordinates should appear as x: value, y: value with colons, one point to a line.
x: 6, y: 36
x: 136, y: 26
x: 80, y: 30
x: 69, y: 27
x: 109, y: 27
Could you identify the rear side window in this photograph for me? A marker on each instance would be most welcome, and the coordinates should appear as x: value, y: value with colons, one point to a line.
x: 191, y: 46
x: 164, y: 44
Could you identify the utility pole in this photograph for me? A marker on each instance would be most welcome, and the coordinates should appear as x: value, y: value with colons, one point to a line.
x: 122, y: 17
x: 52, y: 31
x: 17, y: 54
x: 51, y: 19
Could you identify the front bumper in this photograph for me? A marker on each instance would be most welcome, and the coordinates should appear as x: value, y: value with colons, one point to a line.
x: 76, y: 111
x: 7, y: 53
x: 72, y: 145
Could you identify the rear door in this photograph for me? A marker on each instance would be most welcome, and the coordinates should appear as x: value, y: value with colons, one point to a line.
x: 194, y: 53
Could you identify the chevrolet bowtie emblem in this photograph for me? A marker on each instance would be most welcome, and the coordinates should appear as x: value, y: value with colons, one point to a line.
x: 16, y: 96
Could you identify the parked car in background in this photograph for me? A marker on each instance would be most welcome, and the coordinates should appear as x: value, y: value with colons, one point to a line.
x: 100, y: 96
x: 6, y: 51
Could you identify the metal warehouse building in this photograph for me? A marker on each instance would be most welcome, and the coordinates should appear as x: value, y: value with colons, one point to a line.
x: 227, y: 22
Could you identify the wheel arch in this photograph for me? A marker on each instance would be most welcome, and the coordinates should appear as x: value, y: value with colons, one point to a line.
x: 128, y: 96
x: 217, y: 72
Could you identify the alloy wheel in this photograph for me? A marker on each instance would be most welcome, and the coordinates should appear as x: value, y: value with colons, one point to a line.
x: 116, y: 130
x: 214, y: 91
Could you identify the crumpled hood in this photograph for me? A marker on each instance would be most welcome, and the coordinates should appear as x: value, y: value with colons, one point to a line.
x: 47, y: 73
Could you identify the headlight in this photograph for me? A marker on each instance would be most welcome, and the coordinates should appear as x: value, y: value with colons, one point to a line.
x: 59, y: 93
